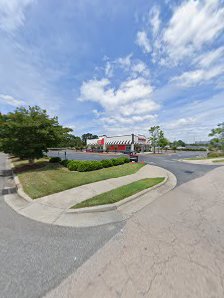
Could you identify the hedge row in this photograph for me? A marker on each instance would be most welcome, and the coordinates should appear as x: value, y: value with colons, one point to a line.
x: 92, y: 165
x: 55, y: 159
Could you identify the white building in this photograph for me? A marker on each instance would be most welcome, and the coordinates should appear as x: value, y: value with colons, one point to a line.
x: 125, y: 143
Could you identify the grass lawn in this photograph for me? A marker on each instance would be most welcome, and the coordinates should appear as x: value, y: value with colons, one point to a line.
x: 50, y: 178
x: 197, y: 158
x: 220, y: 160
x: 120, y: 193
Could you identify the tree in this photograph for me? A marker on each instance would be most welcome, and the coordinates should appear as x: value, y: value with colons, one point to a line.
x: 88, y: 136
x: 154, y: 138
x: 217, y: 142
x: 27, y: 133
x: 162, y: 141
x: 72, y: 141
x: 178, y: 143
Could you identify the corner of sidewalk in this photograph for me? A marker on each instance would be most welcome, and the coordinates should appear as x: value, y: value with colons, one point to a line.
x: 94, y: 216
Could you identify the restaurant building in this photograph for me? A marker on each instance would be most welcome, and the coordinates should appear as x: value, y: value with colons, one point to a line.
x: 125, y: 143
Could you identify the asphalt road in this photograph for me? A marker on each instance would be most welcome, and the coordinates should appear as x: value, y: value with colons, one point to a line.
x: 35, y: 257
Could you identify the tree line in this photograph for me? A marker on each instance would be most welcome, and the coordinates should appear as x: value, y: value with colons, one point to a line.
x: 28, y: 133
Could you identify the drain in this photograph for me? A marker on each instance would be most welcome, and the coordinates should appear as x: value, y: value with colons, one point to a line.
x: 8, y: 191
x: 188, y: 172
x: 5, y: 173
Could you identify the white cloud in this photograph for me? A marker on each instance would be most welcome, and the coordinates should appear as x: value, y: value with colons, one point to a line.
x: 193, y: 25
x: 129, y: 65
x: 110, y: 98
x: 128, y: 104
x: 154, y: 19
x: 209, y: 58
x: 140, y: 68
x: 7, y: 99
x: 12, y: 13
x: 143, y: 41
x: 179, y: 123
x: 198, y: 76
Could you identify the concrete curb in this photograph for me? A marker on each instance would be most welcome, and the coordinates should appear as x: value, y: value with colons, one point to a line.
x: 19, y: 187
x: 93, y: 216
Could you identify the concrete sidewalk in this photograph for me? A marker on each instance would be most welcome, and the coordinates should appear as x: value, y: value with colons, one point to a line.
x: 55, y: 208
x: 173, y: 248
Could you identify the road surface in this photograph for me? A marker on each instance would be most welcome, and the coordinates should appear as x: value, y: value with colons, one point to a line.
x: 35, y: 257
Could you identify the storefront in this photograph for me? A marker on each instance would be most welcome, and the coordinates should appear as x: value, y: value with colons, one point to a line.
x: 125, y: 143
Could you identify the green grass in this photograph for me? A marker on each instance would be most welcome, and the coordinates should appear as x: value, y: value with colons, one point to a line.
x: 120, y: 193
x: 52, y: 178
x: 197, y: 158
x: 220, y: 160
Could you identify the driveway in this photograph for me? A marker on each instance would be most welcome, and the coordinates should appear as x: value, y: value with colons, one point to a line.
x: 35, y: 257
x: 173, y: 248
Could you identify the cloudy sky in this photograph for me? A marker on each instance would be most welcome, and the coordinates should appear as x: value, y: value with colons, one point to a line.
x: 116, y: 66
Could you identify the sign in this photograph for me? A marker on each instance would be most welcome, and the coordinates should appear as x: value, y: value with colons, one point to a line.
x: 100, y: 142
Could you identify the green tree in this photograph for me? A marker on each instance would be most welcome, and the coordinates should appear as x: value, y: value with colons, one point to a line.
x: 154, y: 137
x: 27, y: 133
x: 217, y: 143
x: 88, y: 136
x: 162, y: 141
x: 72, y: 141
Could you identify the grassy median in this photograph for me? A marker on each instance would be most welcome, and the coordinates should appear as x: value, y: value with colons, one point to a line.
x: 120, y: 193
x: 51, y: 178
x: 218, y: 160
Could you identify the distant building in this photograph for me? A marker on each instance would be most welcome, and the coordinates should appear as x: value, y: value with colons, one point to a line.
x: 125, y: 143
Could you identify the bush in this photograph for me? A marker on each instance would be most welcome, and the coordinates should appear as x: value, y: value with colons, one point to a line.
x: 126, y: 159
x: 86, y: 166
x: 72, y: 165
x: 107, y: 163
x: 64, y: 162
x: 92, y: 165
x: 215, y: 154
x: 120, y: 160
x: 115, y: 161
x: 55, y: 159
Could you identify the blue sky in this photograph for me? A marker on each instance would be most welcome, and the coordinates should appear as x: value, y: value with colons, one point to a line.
x: 116, y: 66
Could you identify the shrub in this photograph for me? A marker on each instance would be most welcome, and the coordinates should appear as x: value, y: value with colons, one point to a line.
x: 125, y: 159
x: 106, y: 163
x: 55, y: 159
x: 72, y: 165
x: 215, y: 154
x: 86, y: 166
x: 115, y: 161
x: 64, y: 162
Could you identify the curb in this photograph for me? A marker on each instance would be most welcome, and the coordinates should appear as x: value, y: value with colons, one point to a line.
x: 19, y: 187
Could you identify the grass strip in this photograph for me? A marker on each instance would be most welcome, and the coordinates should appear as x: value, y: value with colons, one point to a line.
x: 119, y: 193
x: 53, y: 178
x: 220, y: 160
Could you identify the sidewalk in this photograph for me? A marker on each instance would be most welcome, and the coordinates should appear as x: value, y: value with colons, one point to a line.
x: 55, y: 208
x: 173, y: 248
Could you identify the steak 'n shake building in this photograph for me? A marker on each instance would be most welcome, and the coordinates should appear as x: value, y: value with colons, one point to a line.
x: 125, y: 143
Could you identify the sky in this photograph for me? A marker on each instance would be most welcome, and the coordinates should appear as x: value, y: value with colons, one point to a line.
x: 116, y: 66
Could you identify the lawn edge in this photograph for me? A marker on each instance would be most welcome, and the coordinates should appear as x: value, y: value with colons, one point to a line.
x: 114, y: 206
